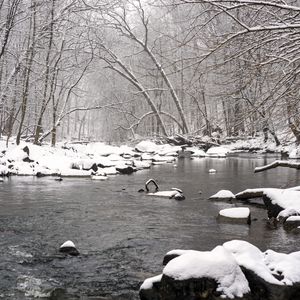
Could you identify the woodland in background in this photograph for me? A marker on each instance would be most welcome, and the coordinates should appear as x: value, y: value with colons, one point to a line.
x: 115, y: 70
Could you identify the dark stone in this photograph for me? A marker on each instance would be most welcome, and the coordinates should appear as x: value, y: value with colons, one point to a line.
x: 262, y: 290
x: 273, y: 209
x: 69, y: 250
x: 179, y: 197
x: 27, y: 159
x: 127, y: 170
x: 151, y: 294
x: 94, y: 167
x: 290, y: 225
x: 168, y: 258
x: 40, y: 174
x: 141, y: 190
x: 26, y: 150
x: 191, y: 289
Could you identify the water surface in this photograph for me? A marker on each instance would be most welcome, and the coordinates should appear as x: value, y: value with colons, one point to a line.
x: 122, y: 234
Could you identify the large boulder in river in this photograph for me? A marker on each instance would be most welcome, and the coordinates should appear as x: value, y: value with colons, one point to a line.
x: 236, y: 270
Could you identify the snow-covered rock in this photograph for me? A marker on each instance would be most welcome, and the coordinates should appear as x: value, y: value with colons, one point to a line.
x: 147, y: 146
x: 235, y: 212
x: 212, y: 171
x: 222, y: 195
x: 229, y: 271
x: 68, y: 247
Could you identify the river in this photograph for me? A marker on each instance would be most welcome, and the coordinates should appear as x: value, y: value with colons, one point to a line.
x: 122, y: 235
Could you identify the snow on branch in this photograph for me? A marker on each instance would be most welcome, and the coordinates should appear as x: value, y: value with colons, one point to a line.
x: 278, y: 163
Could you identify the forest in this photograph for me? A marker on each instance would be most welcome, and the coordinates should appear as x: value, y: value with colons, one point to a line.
x: 116, y: 70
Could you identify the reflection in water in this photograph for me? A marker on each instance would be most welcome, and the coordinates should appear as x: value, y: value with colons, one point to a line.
x: 122, y: 234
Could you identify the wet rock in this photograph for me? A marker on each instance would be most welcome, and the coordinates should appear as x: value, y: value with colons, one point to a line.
x: 273, y: 209
x: 68, y: 247
x: 126, y: 170
x: 179, y: 197
x: 291, y: 223
x: 263, y: 290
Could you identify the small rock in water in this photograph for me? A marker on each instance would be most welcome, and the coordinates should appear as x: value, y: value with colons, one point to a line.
x: 211, y: 171
x: 1, y: 179
x: 179, y: 196
x: 69, y: 248
x: 58, y: 179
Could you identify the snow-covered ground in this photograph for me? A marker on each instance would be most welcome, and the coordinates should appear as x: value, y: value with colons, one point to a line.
x: 97, y: 158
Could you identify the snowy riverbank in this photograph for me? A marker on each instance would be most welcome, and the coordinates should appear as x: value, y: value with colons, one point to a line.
x: 102, y: 160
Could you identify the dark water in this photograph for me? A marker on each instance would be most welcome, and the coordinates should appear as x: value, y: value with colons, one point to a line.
x: 123, y: 235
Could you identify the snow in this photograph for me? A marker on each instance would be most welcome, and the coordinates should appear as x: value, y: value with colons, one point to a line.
x: 287, y: 199
x: 287, y: 265
x: 99, y: 177
x: 148, y: 283
x: 196, y: 152
x: 67, y: 244
x: 250, y: 257
x: 293, y: 219
x: 223, y: 194
x: 294, y: 154
x: 167, y: 194
x: 235, y: 212
x: 217, y: 152
x: 147, y: 146
x: 218, y: 264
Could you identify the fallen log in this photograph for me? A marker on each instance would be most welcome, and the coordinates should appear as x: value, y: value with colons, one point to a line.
x: 278, y: 163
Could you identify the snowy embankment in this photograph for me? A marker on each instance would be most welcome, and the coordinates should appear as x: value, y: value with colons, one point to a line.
x: 228, y: 271
x: 95, y: 159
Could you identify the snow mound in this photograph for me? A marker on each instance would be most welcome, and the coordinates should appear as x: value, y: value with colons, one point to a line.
x: 218, y: 264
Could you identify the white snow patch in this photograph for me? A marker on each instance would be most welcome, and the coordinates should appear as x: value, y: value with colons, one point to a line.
x: 148, y: 283
x: 217, y: 152
x: 67, y: 244
x: 218, y: 264
x: 252, y: 258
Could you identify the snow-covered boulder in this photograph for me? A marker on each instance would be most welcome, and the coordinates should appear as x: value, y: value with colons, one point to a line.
x: 222, y: 195
x: 200, y: 273
x: 212, y: 171
x: 147, y: 146
x: 235, y: 215
x: 236, y: 270
x: 217, y: 152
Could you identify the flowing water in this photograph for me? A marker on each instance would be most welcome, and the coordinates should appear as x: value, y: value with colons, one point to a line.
x: 122, y: 235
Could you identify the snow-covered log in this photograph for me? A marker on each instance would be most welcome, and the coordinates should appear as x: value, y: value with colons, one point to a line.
x: 278, y: 163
